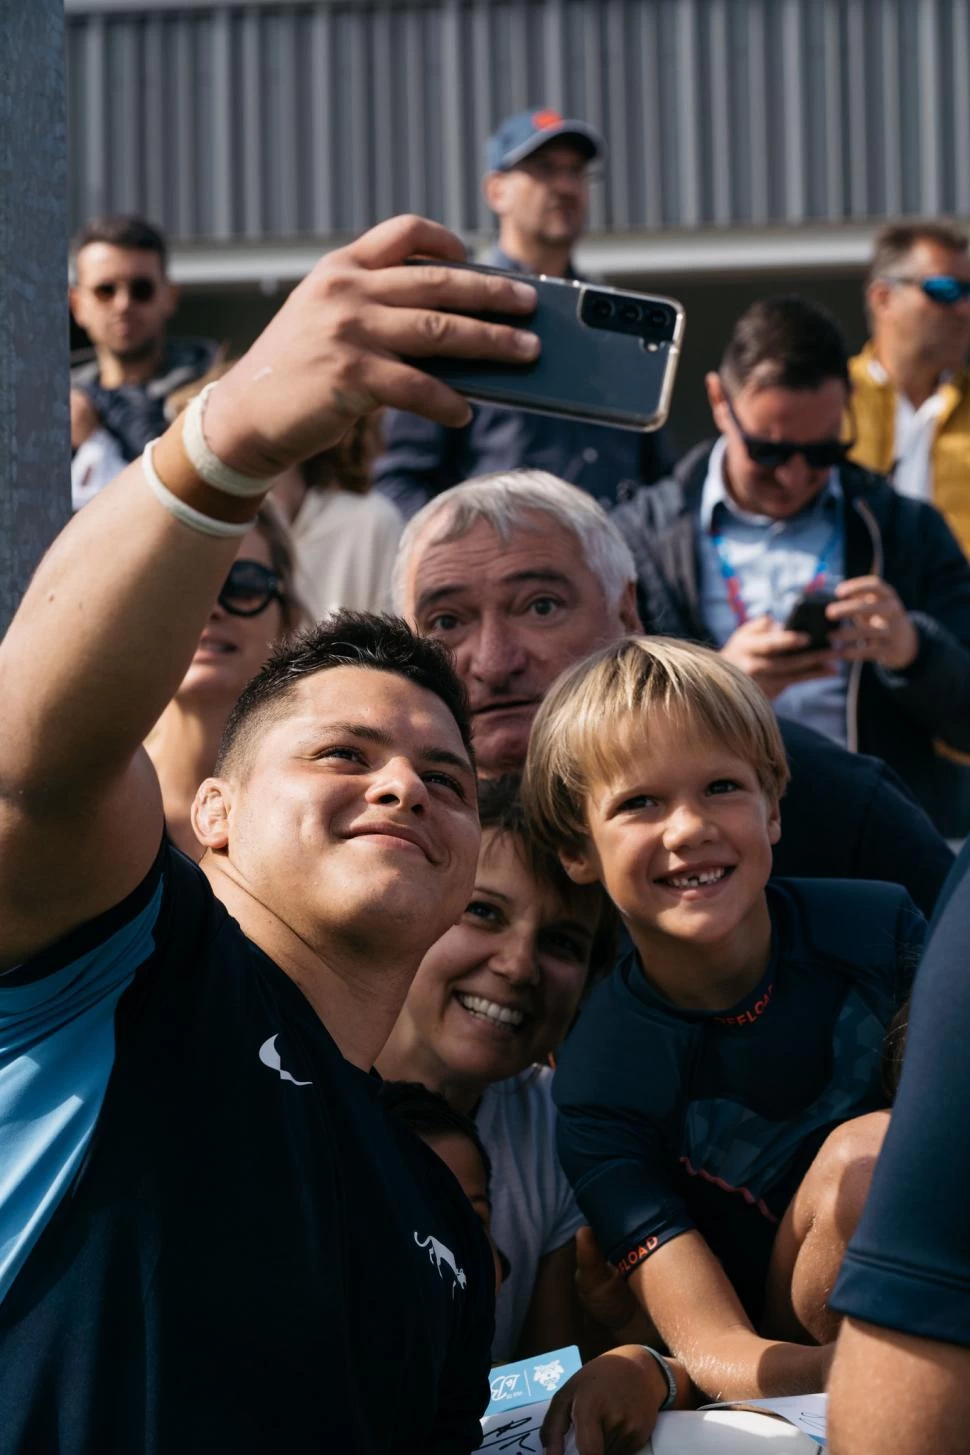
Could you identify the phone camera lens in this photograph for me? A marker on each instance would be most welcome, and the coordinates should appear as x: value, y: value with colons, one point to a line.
x: 630, y: 313
x: 602, y: 308
x: 658, y: 317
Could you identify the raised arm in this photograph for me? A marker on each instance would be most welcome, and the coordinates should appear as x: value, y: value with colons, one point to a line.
x: 110, y: 622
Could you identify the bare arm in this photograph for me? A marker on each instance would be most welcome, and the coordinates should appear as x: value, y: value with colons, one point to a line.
x: 554, y: 1315
x: 109, y: 624
x: 687, y: 1294
x: 895, y: 1394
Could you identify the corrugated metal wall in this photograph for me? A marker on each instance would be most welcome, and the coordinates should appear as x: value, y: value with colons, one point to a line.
x: 266, y: 121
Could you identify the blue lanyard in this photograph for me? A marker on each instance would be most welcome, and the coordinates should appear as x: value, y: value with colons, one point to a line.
x: 733, y: 586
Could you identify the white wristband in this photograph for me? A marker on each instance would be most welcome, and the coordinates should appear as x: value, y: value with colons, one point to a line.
x: 194, y: 519
x: 207, y: 465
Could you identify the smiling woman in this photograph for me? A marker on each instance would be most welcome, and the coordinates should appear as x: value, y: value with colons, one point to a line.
x: 490, y: 1002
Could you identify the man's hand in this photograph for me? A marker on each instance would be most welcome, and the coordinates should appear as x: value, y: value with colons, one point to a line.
x: 334, y: 351
x: 776, y: 658
x: 612, y: 1404
x: 877, y: 626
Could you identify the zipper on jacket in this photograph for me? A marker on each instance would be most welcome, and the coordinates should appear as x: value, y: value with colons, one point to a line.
x: 855, y: 675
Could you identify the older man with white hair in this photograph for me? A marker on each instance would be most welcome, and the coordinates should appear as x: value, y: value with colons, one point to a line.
x: 522, y: 574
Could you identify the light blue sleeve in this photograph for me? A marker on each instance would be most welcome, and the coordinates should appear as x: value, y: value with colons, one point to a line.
x: 57, y: 1047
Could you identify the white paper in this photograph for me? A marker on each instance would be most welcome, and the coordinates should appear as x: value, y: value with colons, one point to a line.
x: 515, y: 1432
x: 720, y: 1432
x: 807, y: 1412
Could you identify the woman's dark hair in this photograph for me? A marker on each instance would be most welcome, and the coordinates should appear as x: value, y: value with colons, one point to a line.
x: 428, y: 1114
x: 346, y: 639
x: 784, y: 343
x: 349, y: 464
x: 500, y: 809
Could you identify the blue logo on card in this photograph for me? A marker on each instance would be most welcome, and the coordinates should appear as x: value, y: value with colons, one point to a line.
x: 531, y: 1380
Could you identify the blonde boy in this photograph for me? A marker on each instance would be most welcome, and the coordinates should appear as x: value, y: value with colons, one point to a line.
x: 720, y: 1103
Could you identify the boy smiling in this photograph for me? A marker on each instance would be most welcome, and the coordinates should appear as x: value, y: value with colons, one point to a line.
x: 720, y: 1099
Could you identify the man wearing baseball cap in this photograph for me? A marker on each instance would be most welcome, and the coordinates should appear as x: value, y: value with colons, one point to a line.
x: 537, y: 179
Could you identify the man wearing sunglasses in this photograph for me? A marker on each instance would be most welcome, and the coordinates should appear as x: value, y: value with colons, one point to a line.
x: 122, y: 297
x: 774, y: 513
x: 911, y: 386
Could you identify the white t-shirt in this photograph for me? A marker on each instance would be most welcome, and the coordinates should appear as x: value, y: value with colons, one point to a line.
x: 533, y: 1208
x: 345, y: 549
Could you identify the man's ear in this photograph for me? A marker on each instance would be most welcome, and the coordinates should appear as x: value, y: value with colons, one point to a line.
x: 494, y: 190
x: 211, y: 809
x: 715, y: 398
x: 581, y: 864
x: 173, y: 297
x: 878, y: 294
x: 628, y: 611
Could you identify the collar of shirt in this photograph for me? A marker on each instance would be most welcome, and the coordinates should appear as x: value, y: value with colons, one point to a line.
x: 715, y: 498
x: 499, y: 259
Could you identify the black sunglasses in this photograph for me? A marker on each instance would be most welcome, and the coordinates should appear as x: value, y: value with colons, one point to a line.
x: 249, y: 588
x: 771, y: 454
x: 939, y: 288
x: 140, y: 290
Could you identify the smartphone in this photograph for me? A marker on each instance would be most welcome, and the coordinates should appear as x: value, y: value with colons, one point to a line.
x: 808, y: 616
x: 608, y: 356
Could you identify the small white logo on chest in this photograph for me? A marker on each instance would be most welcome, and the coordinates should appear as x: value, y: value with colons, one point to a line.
x: 270, y: 1057
x: 441, y: 1258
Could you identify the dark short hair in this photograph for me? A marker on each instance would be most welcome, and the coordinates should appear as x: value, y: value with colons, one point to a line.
x: 428, y: 1114
x: 785, y: 343
x: 500, y: 809
x: 345, y: 639
x: 122, y: 231
x: 895, y: 242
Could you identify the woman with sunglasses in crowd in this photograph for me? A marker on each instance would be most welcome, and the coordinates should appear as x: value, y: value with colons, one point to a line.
x: 256, y: 606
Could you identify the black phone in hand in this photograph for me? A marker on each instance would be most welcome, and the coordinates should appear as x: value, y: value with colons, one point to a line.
x: 808, y: 616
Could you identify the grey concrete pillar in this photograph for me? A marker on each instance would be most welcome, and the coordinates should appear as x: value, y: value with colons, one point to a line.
x: 35, y: 491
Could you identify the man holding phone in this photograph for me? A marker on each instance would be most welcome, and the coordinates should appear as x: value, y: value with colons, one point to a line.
x: 539, y: 169
x: 736, y: 549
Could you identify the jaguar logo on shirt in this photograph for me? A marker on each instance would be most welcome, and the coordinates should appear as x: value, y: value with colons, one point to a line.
x: 442, y: 1258
x: 270, y: 1057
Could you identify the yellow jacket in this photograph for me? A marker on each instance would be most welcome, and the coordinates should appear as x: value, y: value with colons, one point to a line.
x: 874, y: 412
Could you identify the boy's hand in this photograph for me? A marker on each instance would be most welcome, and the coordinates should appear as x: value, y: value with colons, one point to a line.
x: 612, y: 1404
x: 776, y: 658
x: 334, y: 351
x: 605, y: 1296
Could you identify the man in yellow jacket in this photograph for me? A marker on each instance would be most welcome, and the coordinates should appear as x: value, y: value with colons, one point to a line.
x: 910, y: 383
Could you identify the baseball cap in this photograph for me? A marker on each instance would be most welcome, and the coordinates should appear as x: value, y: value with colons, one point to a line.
x: 521, y: 135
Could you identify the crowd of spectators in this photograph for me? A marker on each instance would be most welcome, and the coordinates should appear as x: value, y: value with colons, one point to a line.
x: 451, y: 908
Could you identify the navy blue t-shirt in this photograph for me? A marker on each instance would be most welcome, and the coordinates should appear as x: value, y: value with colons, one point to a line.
x: 671, y: 1120
x: 211, y: 1236
x: 908, y: 1266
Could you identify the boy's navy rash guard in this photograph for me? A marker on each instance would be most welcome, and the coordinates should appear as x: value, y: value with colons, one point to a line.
x: 211, y: 1237
x: 671, y: 1119
x: 908, y: 1265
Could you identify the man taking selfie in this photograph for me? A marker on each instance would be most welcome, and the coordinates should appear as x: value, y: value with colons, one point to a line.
x: 210, y: 1237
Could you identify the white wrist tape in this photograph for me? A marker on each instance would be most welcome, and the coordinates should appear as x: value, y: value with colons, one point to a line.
x: 208, y: 465
x: 194, y: 519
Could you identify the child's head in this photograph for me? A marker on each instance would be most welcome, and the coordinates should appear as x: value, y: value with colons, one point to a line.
x: 500, y: 989
x: 656, y: 768
x: 454, y: 1138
